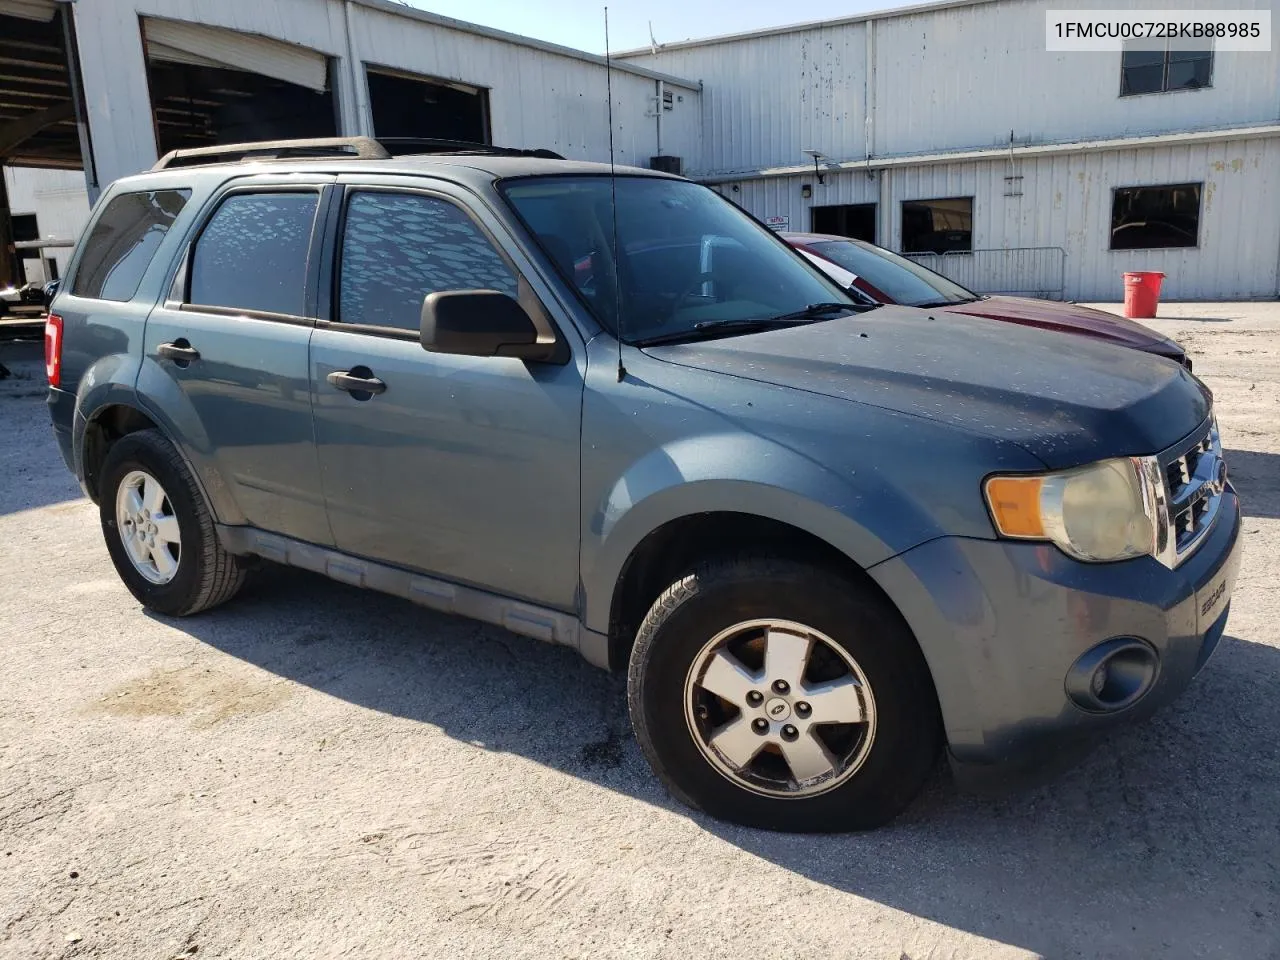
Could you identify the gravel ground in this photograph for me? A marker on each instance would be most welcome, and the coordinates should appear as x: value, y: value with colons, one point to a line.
x: 312, y: 771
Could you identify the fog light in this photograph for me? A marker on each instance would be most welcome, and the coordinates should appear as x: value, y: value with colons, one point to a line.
x: 1114, y: 675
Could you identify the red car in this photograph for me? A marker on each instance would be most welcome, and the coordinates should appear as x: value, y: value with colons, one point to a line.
x: 886, y: 277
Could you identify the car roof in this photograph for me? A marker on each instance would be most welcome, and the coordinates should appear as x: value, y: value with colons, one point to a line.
x: 465, y: 167
x: 814, y: 237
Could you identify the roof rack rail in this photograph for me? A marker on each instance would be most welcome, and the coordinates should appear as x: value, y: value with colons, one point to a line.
x: 403, y: 146
x: 355, y: 148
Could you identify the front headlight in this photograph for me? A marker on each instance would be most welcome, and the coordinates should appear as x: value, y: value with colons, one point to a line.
x: 1098, y: 513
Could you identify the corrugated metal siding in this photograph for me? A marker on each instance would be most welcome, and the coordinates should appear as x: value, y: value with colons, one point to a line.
x: 1066, y: 202
x: 212, y: 46
x: 766, y: 99
x: 682, y: 128
x: 538, y: 97
x: 780, y: 196
x: 951, y: 79
x: 967, y: 76
x: 1237, y: 255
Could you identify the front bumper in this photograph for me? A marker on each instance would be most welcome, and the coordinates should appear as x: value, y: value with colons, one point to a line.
x: 1001, y: 624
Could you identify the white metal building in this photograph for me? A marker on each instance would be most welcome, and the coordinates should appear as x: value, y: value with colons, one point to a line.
x: 51, y: 205
x: 960, y: 103
x: 108, y: 86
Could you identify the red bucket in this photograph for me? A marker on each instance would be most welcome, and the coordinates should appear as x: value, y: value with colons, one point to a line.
x: 1142, y: 294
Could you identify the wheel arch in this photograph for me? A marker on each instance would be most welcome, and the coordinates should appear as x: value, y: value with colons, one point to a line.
x: 102, y: 429
x: 118, y: 417
x: 675, y: 546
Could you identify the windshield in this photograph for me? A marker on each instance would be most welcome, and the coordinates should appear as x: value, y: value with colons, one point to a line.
x: 689, y: 261
x: 899, y: 279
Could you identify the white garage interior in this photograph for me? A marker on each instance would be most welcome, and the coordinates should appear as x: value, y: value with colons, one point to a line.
x: 43, y: 140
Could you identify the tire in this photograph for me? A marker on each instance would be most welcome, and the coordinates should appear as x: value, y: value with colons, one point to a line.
x: 205, y: 574
x: 884, y: 761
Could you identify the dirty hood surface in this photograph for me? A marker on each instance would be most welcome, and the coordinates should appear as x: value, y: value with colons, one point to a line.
x: 1067, y: 400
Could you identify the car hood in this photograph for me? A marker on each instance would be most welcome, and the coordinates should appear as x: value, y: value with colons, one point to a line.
x: 1071, y: 318
x: 1067, y: 401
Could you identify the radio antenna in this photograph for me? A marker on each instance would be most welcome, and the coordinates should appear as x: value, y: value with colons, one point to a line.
x: 613, y: 200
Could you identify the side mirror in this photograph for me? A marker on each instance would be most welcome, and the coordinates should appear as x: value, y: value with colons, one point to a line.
x: 480, y: 323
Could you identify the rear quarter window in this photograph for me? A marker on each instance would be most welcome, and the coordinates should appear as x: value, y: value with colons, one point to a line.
x: 123, y: 241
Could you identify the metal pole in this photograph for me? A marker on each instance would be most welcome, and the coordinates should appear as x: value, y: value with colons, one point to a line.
x: 662, y: 108
x: 355, y: 69
x: 72, y: 51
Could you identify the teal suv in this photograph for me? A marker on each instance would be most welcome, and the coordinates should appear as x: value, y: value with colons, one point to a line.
x: 826, y: 540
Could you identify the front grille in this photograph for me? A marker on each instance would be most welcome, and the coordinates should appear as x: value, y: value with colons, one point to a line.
x: 1194, y: 479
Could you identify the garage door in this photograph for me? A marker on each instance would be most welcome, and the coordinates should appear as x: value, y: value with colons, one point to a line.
x: 199, y: 45
x: 28, y: 9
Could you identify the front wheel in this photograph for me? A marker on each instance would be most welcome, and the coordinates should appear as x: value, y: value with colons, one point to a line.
x: 780, y: 695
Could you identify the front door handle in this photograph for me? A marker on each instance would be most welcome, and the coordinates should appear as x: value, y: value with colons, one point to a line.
x: 356, y: 381
x: 180, y: 352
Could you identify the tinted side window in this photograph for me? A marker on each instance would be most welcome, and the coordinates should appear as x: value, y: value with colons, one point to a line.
x: 397, y: 248
x: 252, y: 254
x: 122, y: 242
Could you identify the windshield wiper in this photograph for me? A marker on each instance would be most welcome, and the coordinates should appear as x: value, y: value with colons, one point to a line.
x: 934, y: 304
x: 816, y: 310
x: 706, y: 329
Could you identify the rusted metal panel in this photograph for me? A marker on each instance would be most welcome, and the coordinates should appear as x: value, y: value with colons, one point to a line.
x: 767, y: 99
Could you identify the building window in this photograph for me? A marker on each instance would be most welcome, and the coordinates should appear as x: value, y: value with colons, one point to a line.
x: 1144, y: 218
x: 856, y: 220
x: 25, y: 227
x: 936, y: 226
x: 1160, y: 71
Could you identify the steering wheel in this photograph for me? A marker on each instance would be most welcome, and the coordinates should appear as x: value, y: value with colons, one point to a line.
x: 692, y: 288
x: 604, y: 272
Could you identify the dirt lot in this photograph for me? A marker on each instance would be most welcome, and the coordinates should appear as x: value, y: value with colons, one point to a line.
x: 313, y: 772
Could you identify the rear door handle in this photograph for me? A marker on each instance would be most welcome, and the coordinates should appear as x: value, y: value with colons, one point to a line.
x: 180, y: 352
x: 357, y: 380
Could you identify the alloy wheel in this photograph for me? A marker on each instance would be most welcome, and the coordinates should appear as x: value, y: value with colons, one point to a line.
x: 148, y: 527
x: 780, y: 708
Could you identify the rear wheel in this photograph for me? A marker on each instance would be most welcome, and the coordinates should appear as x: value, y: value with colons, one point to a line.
x: 781, y: 695
x: 158, y: 530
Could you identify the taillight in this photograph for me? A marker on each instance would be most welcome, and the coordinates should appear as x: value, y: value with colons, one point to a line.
x: 53, y: 349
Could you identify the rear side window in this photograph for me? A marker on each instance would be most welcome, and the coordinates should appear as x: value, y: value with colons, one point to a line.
x: 123, y: 241
x: 397, y: 248
x: 252, y: 254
